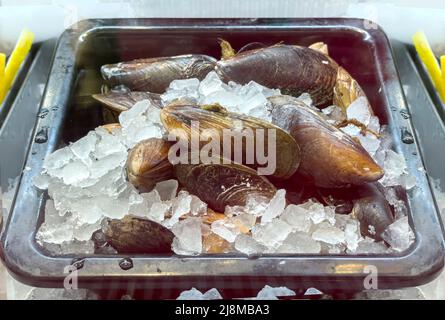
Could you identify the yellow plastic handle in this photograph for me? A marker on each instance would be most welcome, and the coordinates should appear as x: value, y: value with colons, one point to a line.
x: 16, y: 59
x: 429, y: 60
x: 2, y: 76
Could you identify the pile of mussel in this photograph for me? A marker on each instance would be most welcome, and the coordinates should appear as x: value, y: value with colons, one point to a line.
x: 314, y: 158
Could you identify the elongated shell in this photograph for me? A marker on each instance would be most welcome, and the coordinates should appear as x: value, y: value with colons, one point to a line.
x: 287, y: 153
x: 292, y: 69
x: 148, y: 164
x: 122, y: 101
x: 329, y: 157
x: 220, y: 185
x: 137, y: 235
x: 155, y: 74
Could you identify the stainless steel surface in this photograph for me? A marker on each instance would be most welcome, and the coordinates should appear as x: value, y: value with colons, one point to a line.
x: 18, y: 127
x: 425, y: 111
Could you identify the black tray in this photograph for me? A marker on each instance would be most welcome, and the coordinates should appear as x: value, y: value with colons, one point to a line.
x: 80, y: 53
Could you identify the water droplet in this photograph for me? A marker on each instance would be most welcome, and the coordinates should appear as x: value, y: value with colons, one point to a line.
x: 407, y: 137
x: 42, y: 135
x: 126, y: 264
x: 405, y: 114
x: 78, y: 263
x: 43, y: 113
x: 55, y: 108
x: 414, y: 153
x: 34, y: 152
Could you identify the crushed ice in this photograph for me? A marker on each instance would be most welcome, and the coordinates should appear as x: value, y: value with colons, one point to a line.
x: 86, y: 183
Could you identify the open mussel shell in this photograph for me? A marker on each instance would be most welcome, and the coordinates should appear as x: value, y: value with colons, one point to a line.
x: 138, y: 235
x: 329, y: 157
x: 148, y: 164
x: 292, y: 69
x: 373, y: 211
x: 220, y: 185
x: 213, y: 122
x: 122, y: 101
x: 155, y: 74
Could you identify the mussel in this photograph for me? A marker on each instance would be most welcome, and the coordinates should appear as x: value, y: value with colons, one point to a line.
x: 122, y: 101
x: 138, y: 235
x: 148, y: 163
x: 294, y: 70
x: 248, y: 136
x: 155, y: 74
x: 329, y: 157
x: 373, y: 211
x: 220, y: 185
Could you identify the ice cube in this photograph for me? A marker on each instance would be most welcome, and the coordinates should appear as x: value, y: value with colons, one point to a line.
x: 359, y: 110
x: 227, y: 99
x: 299, y: 243
x: 370, y: 246
x: 195, y: 294
x: 167, y: 189
x: 275, y: 206
x: 272, y: 293
x: 327, y: 233
x: 75, y: 172
x: 133, y: 114
x: 211, y: 83
x: 297, y: 217
x: 212, y: 294
x: 198, y: 207
x: 352, y: 234
x: 370, y: 142
x: 83, y: 147
x: 41, y: 181
x: 394, y: 166
x: 225, y: 230
x: 188, y: 239
x: 261, y: 112
x: 256, y: 205
x: 192, y: 294
x: 180, y: 207
x: 244, y: 222
x: 399, y: 235
x: 247, y: 245
x: 272, y: 234
x: 55, y: 229
x: 58, y: 159
x: 184, y: 84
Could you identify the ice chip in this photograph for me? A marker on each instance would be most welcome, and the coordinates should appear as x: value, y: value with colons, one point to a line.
x: 225, y: 229
x: 192, y: 294
x: 359, y: 110
x: 297, y: 217
x: 127, y: 117
x: 41, y: 181
x: 58, y: 159
x: 272, y: 234
x: 211, y: 83
x: 83, y: 147
x: 75, y: 172
x: 197, y: 207
x: 167, y: 189
x: 187, y: 239
x: 272, y: 293
x: 399, y: 235
x: 327, y: 233
x: 275, y: 206
x: 212, y: 294
x: 299, y: 243
x: 247, y: 245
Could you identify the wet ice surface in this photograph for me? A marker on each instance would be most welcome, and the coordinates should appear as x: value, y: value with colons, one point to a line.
x: 86, y: 183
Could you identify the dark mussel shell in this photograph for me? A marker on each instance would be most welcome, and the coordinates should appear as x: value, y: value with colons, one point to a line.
x: 122, y: 101
x: 373, y: 211
x: 220, y: 185
x: 148, y: 164
x: 292, y: 69
x: 329, y: 157
x: 179, y: 117
x: 155, y: 74
x: 138, y: 235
